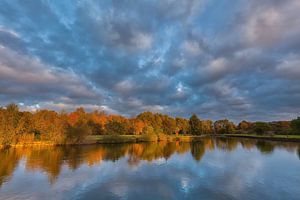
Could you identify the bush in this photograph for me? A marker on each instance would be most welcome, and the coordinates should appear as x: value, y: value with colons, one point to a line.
x: 148, y: 138
x: 162, y: 137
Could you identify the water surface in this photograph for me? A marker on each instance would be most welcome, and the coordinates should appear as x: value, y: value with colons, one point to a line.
x: 210, y: 169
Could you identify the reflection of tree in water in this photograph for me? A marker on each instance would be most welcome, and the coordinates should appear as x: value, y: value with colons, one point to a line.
x: 114, y: 152
x: 197, y: 150
x: 51, y: 159
x: 48, y: 160
x: 228, y: 144
x: 209, y: 144
x: 248, y: 143
x: 265, y: 147
x: 169, y: 149
x: 182, y: 147
x: 9, y: 160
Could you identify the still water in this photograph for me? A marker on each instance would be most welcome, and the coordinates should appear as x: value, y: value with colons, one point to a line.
x: 210, y: 169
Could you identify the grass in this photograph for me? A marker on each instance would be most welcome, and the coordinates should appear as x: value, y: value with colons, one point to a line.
x: 283, y: 137
x: 30, y: 144
x: 112, y: 138
x: 138, y: 138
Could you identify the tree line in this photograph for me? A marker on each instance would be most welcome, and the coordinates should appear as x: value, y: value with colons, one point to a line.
x: 68, y: 128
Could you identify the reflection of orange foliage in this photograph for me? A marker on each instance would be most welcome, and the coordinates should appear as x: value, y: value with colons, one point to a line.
x: 209, y: 144
x: 137, y: 149
x: 95, y: 157
x: 51, y: 159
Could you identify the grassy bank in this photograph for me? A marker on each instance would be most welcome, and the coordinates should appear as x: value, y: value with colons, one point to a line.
x: 30, y: 144
x: 115, y: 139
x: 102, y: 139
x: 290, y: 138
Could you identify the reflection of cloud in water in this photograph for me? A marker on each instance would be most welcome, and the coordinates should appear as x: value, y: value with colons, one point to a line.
x: 220, y: 174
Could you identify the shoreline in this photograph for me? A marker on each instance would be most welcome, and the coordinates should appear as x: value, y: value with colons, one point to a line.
x: 112, y: 139
x: 281, y: 138
x: 123, y: 139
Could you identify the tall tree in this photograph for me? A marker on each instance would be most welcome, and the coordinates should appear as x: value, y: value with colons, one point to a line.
x: 295, y: 124
x: 195, y: 125
x: 224, y: 127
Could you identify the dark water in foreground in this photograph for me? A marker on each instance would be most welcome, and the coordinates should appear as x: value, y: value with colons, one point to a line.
x: 211, y: 169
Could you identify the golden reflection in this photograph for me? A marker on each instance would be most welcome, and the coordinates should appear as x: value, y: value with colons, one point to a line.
x: 51, y: 159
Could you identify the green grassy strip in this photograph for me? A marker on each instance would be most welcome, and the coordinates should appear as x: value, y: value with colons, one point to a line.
x: 274, y: 137
x: 138, y: 138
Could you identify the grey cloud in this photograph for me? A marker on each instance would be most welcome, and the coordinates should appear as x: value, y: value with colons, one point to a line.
x: 175, y: 57
x: 24, y: 77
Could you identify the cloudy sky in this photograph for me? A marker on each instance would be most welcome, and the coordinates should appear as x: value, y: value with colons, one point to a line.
x: 238, y: 59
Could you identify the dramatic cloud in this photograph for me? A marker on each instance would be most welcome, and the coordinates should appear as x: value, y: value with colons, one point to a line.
x: 217, y: 59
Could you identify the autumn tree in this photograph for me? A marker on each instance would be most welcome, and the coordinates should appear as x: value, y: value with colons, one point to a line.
x: 168, y: 125
x: 9, y: 122
x: 224, y: 127
x: 182, y: 125
x: 136, y: 126
x: 207, y: 126
x: 244, y: 125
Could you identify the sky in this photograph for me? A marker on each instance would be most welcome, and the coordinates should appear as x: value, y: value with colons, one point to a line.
x: 235, y: 59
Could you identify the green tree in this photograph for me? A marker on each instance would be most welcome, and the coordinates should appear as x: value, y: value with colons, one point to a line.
x: 195, y: 125
x: 96, y: 129
x: 115, y: 127
x: 295, y: 124
x: 261, y: 127
x: 148, y: 134
x: 152, y: 119
x: 78, y: 132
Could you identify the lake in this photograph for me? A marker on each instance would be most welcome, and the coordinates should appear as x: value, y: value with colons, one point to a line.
x: 220, y: 168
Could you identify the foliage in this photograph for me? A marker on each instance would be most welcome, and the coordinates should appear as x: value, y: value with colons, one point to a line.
x: 295, y: 124
x: 195, y: 125
x: 244, y: 125
x: 63, y: 128
x: 261, y: 127
x: 115, y: 127
x: 224, y: 127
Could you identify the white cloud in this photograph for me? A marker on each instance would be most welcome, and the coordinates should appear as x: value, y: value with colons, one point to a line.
x: 270, y: 24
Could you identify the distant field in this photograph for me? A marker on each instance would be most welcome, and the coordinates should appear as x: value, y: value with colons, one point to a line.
x: 274, y: 137
x: 184, y: 138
